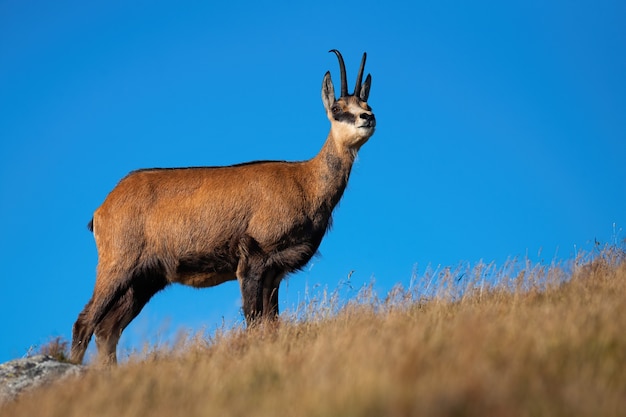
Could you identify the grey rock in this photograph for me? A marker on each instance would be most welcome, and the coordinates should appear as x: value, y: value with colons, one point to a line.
x: 20, y: 375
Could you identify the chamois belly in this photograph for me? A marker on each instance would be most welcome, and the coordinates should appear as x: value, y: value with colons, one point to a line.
x: 204, y: 279
x: 203, y: 271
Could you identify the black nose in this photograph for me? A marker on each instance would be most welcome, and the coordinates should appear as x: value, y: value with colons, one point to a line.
x: 371, y: 120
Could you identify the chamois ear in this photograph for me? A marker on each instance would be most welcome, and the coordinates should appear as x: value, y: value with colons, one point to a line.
x: 365, y: 89
x: 328, y: 92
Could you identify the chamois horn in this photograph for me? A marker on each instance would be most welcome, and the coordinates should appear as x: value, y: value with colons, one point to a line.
x: 342, y: 70
x: 359, y: 78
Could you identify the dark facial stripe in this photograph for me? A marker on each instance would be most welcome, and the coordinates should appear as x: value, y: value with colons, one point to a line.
x: 345, y: 117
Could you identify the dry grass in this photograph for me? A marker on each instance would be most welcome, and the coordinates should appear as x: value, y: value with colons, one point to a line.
x: 535, y: 344
x: 57, y: 348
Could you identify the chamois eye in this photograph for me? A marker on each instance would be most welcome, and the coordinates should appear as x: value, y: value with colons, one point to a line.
x: 335, y: 109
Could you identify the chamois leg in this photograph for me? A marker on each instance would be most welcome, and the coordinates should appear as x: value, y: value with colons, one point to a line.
x: 250, y: 277
x: 271, y: 282
x: 259, y: 290
x: 81, y: 334
x: 128, y: 306
x: 109, y: 330
x: 252, y: 297
x: 109, y: 287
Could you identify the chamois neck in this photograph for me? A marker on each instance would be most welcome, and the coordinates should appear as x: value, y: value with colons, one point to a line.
x: 332, y: 166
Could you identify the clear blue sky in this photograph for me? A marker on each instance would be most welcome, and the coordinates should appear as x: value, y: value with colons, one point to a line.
x: 501, y: 133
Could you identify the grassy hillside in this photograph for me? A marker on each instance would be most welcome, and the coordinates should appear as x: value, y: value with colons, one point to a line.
x: 529, y: 345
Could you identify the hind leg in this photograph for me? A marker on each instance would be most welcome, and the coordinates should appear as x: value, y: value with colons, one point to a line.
x: 127, y: 307
x: 109, y: 330
x: 109, y: 287
x: 81, y: 334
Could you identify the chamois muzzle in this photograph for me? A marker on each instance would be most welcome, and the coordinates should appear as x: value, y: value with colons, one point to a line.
x: 369, y: 120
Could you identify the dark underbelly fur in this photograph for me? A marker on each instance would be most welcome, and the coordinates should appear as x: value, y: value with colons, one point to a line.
x: 205, y: 263
x: 287, y: 256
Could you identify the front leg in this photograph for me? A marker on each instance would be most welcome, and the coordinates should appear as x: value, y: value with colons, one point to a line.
x: 250, y: 271
x: 259, y: 291
x: 271, y: 282
x: 251, y: 282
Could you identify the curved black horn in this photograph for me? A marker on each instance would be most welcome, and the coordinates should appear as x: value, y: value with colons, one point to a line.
x: 342, y: 69
x: 359, y: 78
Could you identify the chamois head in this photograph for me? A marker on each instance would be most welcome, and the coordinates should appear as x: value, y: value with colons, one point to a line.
x: 351, y: 118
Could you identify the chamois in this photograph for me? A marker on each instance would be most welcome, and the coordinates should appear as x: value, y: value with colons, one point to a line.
x: 202, y: 226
